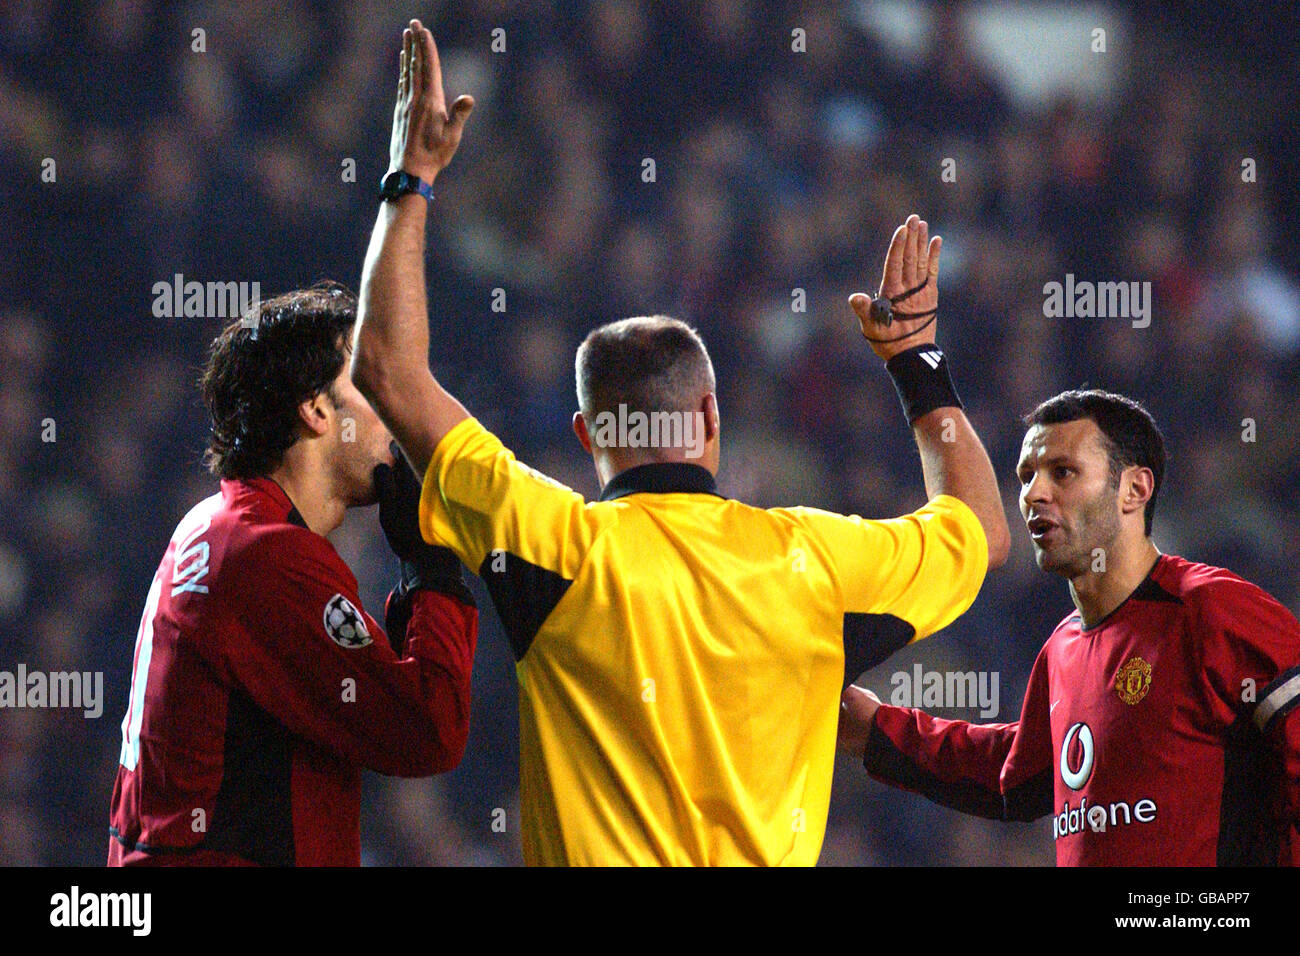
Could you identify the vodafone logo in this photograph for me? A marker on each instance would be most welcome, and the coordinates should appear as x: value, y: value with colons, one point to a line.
x: 1078, y: 756
x: 1076, y: 760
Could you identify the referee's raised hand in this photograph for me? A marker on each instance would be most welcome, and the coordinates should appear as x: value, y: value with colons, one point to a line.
x: 899, y: 322
x: 425, y: 133
x: 911, y: 283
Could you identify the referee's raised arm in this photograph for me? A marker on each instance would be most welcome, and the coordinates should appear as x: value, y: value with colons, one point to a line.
x: 900, y: 325
x: 390, y: 352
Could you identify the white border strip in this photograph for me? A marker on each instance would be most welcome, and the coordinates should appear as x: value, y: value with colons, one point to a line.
x: 1275, y: 701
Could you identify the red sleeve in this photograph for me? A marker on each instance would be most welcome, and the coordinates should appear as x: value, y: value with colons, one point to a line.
x: 307, y: 653
x: 1250, y: 659
x: 999, y: 771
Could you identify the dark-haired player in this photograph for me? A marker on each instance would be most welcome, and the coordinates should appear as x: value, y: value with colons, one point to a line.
x: 1160, y: 726
x: 260, y: 687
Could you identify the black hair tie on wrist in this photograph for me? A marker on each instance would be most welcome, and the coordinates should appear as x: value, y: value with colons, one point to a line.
x: 883, y: 314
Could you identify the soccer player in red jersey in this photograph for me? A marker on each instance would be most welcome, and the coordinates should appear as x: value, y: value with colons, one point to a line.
x: 260, y: 687
x: 1160, y: 725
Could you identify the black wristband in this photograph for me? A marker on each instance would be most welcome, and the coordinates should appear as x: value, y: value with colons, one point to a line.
x: 436, y: 574
x: 922, y: 381
x: 401, y: 601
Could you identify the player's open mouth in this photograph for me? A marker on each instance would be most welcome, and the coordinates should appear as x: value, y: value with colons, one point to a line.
x: 1040, y: 528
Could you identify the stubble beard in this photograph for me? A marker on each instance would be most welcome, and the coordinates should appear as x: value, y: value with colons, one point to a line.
x: 1095, y: 528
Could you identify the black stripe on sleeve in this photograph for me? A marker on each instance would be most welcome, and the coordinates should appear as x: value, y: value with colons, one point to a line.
x: 1249, y: 833
x: 869, y: 639
x: 884, y: 761
x: 524, y: 595
x: 1031, y: 799
x: 151, y: 848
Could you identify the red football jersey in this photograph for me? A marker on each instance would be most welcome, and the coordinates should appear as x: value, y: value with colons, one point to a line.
x: 1166, y: 734
x: 260, y: 688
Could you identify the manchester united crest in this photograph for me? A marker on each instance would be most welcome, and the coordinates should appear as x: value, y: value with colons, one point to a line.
x: 1133, y: 680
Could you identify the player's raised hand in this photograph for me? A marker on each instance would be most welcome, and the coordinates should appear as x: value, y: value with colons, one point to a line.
x: 911, y: 286
x: 425, y: 132
x: 857, y: 714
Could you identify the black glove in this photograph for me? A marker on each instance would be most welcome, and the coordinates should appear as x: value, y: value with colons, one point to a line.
x: 423, y: 564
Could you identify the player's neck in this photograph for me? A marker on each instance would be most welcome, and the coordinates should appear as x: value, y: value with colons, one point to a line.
x: 309, y: 490
x: 1097, y: 593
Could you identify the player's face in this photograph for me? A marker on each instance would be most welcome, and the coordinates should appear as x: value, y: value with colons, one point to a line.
x: 361, y: 442
x: 1066, y: 497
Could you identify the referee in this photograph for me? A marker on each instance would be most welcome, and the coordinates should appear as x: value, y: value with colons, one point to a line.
x: 679, y: 655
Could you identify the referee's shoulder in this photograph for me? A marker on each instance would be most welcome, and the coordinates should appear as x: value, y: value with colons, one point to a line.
x: 946, y: 505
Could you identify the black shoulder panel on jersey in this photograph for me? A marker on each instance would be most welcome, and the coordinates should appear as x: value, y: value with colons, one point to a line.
x: 1248, y: 831
x: 884, y: 760
x: 1148, y: 590
x: 524, y: 594
x: 869, y: 639
x: 253, y: 811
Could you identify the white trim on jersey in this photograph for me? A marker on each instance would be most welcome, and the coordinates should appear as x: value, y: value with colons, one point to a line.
x: 1280, y: 697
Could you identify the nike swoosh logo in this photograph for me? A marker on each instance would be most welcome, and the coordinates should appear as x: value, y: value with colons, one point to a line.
x: 1052, y: 708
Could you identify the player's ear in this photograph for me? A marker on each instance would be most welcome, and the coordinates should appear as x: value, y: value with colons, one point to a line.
x: 314, y: 415
x: 580, y: 429
x: 1138, y: 485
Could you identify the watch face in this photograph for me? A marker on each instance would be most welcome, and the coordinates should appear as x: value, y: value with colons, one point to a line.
x: 399, y: 183
x: 391, y: 186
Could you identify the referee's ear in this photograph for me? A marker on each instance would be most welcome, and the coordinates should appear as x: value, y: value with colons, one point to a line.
x: 580, y: 429
x: 712, y: 417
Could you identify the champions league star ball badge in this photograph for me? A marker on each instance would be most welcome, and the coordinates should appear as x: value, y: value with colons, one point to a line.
x: 344, y: 624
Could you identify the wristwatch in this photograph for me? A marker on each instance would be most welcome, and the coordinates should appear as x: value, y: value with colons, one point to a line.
x: 399, y: 183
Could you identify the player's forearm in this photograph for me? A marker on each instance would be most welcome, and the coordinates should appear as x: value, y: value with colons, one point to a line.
x: 443, y: 634
x: 951, y: 762
x: 954, y: 462
x: 392, y: 336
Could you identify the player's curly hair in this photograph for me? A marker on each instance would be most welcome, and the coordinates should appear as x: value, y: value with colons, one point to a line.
x: 262, y: 367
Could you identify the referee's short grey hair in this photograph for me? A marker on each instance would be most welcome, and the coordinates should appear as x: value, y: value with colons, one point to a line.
x: 649, y: 363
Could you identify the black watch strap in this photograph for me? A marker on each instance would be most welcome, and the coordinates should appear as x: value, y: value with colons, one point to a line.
x: 398, y: 183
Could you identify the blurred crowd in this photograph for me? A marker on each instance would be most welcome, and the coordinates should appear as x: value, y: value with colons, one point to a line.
x: 243, y: 142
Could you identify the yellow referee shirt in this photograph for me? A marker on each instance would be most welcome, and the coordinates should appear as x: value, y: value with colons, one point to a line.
x: 680, y: 656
